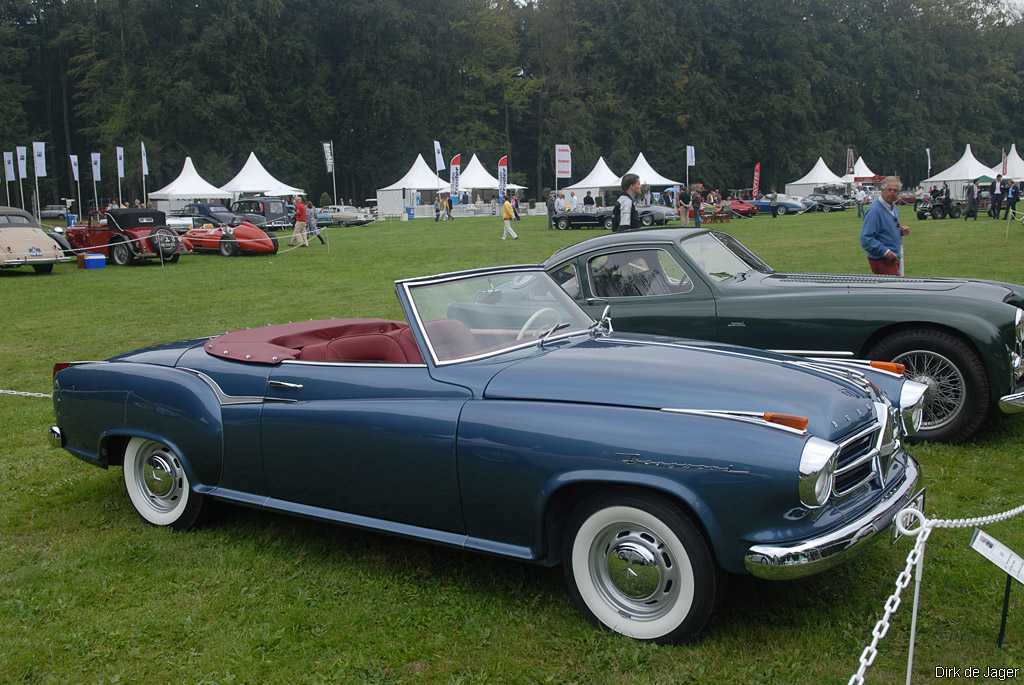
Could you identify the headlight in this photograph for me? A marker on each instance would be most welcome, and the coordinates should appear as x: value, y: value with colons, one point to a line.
x: 817, y: 471
x: 1018, y: 325
x: 912, y: 406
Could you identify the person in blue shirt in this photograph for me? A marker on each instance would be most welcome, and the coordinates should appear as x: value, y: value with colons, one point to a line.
x: 881, y: 235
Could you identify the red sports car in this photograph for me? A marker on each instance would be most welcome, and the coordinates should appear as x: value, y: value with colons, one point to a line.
x: 232, y: 240
x: 742, y: 207
x: 129, y: 235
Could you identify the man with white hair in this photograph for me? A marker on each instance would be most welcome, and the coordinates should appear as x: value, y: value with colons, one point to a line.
x: 881, y: 235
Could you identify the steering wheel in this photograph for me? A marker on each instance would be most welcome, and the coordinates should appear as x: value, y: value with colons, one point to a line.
x: 533, y: 318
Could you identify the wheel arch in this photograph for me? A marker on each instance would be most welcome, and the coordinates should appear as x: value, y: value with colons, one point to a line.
x: 114, y: 445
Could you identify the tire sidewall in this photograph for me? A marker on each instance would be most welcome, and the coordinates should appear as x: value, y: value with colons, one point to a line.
x: 562, y: 224
x: 184, y: 515
x: 120, y: 248
x: 227, y: 247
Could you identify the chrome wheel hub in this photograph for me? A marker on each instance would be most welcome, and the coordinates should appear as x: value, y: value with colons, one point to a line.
x: 947, y: 391
x: 161, y: 476
x: 634, y: 572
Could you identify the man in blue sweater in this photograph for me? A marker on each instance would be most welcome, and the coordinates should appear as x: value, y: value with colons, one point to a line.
x: 881, y: 236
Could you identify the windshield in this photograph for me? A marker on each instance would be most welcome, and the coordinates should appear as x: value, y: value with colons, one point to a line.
x: 721, y: 256
x: 479, y: 315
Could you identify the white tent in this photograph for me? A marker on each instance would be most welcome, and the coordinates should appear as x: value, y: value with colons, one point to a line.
x: 599, y: 178
x: 188, y: 186
x: 966, y: 169
x: 1014, y: 165
x: 253, y: 178
x: 391, y: 199
x: 476, y: 177
x: 818, y: 176
x: 648, y: 176
x: 860, y: 170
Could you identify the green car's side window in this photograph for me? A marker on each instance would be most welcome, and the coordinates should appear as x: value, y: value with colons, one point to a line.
x: 568, y: 279
x: 642, y: 272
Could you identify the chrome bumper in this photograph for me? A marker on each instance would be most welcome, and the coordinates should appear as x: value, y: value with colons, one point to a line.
x: 56, y: 439
x: 798, y: 559
x: 1012, y: 404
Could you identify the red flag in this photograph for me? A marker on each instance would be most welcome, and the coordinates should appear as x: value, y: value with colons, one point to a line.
x: 457, y: 160
x: 757, y: 179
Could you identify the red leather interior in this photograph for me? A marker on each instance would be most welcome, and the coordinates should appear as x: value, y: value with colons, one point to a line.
x: 451, y: 339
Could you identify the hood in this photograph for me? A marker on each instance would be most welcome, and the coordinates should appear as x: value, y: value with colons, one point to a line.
x: 26, y: 242
x: 654, y: 373
x: 987, y: 290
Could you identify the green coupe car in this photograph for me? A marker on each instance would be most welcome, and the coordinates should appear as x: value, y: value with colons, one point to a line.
x: 963, y: 338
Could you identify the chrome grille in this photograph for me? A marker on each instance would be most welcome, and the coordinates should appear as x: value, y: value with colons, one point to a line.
x: 858, y: 460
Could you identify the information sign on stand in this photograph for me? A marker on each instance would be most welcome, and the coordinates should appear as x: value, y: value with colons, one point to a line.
x: 1007, y: 560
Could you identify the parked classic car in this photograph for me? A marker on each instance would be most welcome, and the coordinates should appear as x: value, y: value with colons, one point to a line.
x: 653, y: 215
x: 210, y: 213
x: 24, y: 242
x: 268, y: 213
x: 741, y: 207
x: 53, y: 212
x: 827, y: 203
x: 963, y: 338
x: 787, y: 205
x: 347, y: 215
x: 500, y: 418
x: 231, y: 241
x: 129, y: 235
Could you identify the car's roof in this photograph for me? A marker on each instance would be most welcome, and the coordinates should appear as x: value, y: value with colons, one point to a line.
x: 16, y: 211
x: 622, y: 238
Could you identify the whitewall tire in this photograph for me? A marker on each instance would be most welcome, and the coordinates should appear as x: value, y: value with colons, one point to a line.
x: 158, y: 487
x: 635, y: 564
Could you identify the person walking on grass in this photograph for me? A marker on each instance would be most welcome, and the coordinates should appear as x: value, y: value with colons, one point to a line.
x: 312, y: 225
x: 881, y: 235
x: 972, y: 201
x: 1012, y: 195
x: 506, y: 218
x: 299, y: 236
x: 995, y: 196
x: 550, y: 204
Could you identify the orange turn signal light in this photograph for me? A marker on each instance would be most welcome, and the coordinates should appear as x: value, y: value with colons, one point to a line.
x: 789, y: 420
x: 891, y: 367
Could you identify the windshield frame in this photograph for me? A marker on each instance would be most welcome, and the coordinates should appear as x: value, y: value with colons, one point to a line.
x: 717, y: 235
x: 406, y: 285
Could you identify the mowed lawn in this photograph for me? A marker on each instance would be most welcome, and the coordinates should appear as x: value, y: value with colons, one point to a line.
x: 88, y: 593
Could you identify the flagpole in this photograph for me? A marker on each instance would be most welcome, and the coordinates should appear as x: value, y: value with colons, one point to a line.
x: 78, y: 183
x: 7, y: 187
x: 21, y: 190
x: 38, y: 208
x: 120, y: 200
x: 95, y: 197
x: 334, y: 173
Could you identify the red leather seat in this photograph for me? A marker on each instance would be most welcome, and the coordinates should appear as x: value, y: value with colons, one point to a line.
x: 451, y: 339
x: 403, y: 337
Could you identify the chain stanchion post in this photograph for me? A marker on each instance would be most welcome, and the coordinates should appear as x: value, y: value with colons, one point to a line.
x: 913, y: 616
x: 1006, y: 611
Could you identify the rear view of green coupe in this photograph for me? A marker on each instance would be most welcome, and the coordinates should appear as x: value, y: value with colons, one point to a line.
x: 962, y: 338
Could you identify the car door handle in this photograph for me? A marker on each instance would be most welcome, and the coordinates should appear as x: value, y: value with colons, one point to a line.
x: 596, y: 302
x: 284, y: 386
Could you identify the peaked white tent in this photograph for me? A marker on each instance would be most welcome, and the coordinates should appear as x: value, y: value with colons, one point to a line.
x: 648, y: 176
x: 188, y: 186
x: 860, y: 170
x: 1014, y: 165
x: 599, y: 178
x: 819, y: 175
x: 253, y: 178
x: 966, y: 169
x: 391, y: 199
x: 476, y: 177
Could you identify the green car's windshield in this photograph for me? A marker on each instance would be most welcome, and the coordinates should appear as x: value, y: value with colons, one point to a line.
x: 721, y: 256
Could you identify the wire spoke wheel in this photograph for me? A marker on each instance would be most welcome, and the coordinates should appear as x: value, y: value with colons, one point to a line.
x: 946, y: 395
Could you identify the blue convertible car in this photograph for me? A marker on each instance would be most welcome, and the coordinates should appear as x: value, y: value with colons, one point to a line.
x: 501, y: 418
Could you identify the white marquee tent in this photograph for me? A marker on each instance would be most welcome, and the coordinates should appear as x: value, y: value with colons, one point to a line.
x: 391, y: 199
x: 476, y: 177
x: 188, y: 186
x: 648, y: 176
x: 818, y: 176
x: 966, y: 169
x: 1014, y: 165
x: 253, y: 178
x: 599, y: 178
x: 860, y: 170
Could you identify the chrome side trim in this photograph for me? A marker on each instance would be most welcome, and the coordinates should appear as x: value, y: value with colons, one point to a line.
x: 368, y: 365
x: 459, y: 275
x: 807, y: 557
x: 815, y: 353
x: 1012, y: 404
x: 855, y: 364
x: 223, y: 398
x: 744, y: 416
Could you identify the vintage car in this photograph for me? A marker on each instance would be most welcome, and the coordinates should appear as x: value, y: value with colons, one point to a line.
x: 786, y: 205
x: 601, y: 217
x: 205, y: 213
x: 232, y: 240
x: 742, y: 208
x: 129, y: 235
x: 963, y: 338
x: 53, y: 212
x: 827, y: 203
x: 347, y: 215
x: 268, y: 213
x: 24, y: 242
x: 500, y: 418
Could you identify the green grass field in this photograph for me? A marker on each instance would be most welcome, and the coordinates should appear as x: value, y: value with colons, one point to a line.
x: 88, y: 593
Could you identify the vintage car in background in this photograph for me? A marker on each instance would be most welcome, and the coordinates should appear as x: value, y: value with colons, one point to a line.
x: 963, y: 338
x: 129, y: 235
x: 267, y: 213
x: 230, y: 241
x: 209, y: 213
x: 741, y: 207
x: 827, y: 203
x: 500, y: 418
x: 24, y: 242
x: 53, y: 212
x: 786, y: 205
x: 347, y: 215
x: 601, y: 217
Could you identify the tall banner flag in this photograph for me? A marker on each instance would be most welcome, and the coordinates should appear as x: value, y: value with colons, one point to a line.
x: 757, y: 180
x: 145, y: 160
x: 120, y: 161
x: 502, y: 176
x: 1005, y: 162
x: 22, y: 153
x: 691, y: 156
x: 78, y: 184
x: 455, y: 170
x: 9, y: 167
x: 328, y: 155
x: 39, y: 159
x: 96, y: 167
x: 563, y: 161
x: 850, y: 164
x: 438, y: 157
x: 928, y: 151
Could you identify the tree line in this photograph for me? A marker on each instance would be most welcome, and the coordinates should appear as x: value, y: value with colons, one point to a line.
x: 777, y: 82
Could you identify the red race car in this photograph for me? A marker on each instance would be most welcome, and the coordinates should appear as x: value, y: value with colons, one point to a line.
x: 129, y: 235
x: 232, y: 240
x: 742, y: 207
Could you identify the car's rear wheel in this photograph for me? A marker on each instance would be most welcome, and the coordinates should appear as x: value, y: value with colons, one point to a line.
x: 273, y: 241
x: 647, y: 220
x: 158, y: 487
x: 228, y: 246
x: 164, y: 242
x: 608, y: 223
x: 957, y: 401
x: 636, y: 565
x: 562, y: 224
x: 120, y: 253
x: 780, y: 209
x: 42, y: 268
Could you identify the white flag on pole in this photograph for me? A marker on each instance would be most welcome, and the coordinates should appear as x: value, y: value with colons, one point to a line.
x: 691, y: 156
x: 563, y: 161
x: 328, y: 155
x: 145, y: 162
x: 120, y: 161
x: 9, y: 167
x: 438, y: 157
x: 39, y: 159
x: 96, y: 167
x: 22, y: 161
x: 74, y: 167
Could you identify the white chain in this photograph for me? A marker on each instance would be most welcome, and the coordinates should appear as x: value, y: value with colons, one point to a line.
x: 20, y: 393
x: 923, y: 531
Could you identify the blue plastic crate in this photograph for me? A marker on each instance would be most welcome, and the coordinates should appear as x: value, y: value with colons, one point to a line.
x: 95, y: 261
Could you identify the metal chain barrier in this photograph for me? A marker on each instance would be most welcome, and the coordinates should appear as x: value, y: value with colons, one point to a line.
x: 20, y: 393
x: 915, y: 559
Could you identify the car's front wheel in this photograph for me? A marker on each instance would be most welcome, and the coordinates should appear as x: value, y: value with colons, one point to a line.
x: 635, y: 564
x: 228, y: 246
x: 647, y: 220
x: 562, y: 224
x: 780, y: 210
x: 608, y: 223
x: 120, y: 253
x: 158, y: 487
x: 957, y: 400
